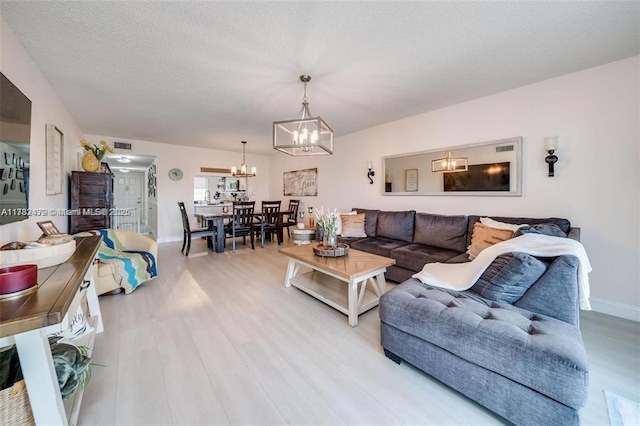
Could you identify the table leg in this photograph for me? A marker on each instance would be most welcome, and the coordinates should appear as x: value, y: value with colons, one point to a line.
x: 279, y: 229
x: 380, y: 285
x: 220, y: 235
x: 292, y: 270
x: 40, y: 377
x: 353, y: 303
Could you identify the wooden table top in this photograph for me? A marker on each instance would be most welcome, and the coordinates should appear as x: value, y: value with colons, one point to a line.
x: 57, y: 286
x: 349, y: 267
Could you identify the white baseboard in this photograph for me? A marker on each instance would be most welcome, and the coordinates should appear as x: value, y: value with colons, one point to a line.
x: 619, y: 310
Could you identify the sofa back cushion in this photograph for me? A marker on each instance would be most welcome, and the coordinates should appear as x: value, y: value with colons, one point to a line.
x: 396, y: 225
x: 563, y: 224
x: 509, y: 277
x: 370, y: 221
x: 448, y: 232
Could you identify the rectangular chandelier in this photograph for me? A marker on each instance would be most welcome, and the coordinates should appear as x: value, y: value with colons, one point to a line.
x: 304, y: 136
x: 449, y: 164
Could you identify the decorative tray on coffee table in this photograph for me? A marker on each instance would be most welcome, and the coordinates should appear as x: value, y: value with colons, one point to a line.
x: 340, y: 250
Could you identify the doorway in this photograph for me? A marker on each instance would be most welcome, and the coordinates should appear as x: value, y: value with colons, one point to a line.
x: 134, y: 193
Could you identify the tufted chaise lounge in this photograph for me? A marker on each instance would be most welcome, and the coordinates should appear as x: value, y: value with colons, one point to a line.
x: 525, y: 361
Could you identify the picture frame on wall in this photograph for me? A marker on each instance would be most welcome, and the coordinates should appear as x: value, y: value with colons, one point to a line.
x: 54, y: 159
x: 411, y: 180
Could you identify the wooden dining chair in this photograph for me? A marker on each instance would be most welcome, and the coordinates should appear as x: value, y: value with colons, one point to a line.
x: 242, y: 222
x: 189, y: 233
x: 292, y: 216
x: 268, y: 224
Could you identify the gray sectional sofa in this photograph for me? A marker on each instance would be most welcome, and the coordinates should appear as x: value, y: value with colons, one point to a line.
x: 520, y: 356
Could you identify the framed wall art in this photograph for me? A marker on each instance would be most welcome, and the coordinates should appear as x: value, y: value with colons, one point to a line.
x: 411, y: 180
x: 54, y: 159
x: 301, y: 183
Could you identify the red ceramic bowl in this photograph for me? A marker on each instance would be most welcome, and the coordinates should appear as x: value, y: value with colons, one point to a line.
x: 18, y: 278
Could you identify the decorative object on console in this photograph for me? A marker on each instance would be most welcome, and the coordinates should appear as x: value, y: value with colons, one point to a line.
x: 370, y: 173
x: 14, y: 280
x: 306, y: 135
x: 95, y: 152
x: 312, y: 222
x: 449, y: 164
x: 551, y: 143
x: 48, y: 227
x: 244, y: 171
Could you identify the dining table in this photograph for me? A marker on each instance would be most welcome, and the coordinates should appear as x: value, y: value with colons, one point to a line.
x: 216, y: 221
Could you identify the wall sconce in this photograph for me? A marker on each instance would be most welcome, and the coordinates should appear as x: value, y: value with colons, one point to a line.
x: 370, y: 173
x: 551, y: 144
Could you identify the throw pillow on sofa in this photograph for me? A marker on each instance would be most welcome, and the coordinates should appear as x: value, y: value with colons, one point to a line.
x: 339, y: 224
x: 353, y: 226
x: 509, y: 277
x: 500, y: 225
x: 485, y: 236
x: 550, y: 229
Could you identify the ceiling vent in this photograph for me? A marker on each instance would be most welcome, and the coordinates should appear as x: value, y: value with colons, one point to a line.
x: 122, y: 145
x: 504, y: 148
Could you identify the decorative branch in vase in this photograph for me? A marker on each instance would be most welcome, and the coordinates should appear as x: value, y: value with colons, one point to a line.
x: 328, y: 222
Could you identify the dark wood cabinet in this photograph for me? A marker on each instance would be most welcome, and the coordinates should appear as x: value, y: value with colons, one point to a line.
x: 91, y: 201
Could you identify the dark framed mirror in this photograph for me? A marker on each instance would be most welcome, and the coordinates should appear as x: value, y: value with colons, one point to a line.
x: 15, y: 140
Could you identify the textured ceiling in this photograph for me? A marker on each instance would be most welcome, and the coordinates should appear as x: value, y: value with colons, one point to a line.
x: 210, y: 74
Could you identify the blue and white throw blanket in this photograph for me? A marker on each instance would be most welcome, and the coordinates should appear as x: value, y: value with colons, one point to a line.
x: 130, y: 267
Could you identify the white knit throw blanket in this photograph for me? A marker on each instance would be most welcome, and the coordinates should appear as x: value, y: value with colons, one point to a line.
x: 462, y: 276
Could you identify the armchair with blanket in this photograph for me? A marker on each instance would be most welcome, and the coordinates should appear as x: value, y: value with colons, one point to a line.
x: 126, y: 259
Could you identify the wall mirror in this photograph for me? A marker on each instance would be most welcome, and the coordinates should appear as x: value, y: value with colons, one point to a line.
x: 493, y: 168
x: 217, y: 189
x: 15, y: 137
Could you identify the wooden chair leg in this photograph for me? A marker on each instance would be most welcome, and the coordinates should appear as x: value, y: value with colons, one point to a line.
x: 184, y: 241
x: 188, y: 246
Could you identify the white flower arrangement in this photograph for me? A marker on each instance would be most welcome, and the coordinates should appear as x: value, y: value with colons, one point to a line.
x: 328, y: 220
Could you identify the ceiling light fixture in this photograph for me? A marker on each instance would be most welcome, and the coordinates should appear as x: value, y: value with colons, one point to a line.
x: 124, y: 170
x: 243, y: 167
x: 303, y: 136
x: 124, y: 159
x: 449, y: 164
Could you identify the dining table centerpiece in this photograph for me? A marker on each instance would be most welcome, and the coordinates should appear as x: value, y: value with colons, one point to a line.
x: 95, y: 153
x: 328, y: 222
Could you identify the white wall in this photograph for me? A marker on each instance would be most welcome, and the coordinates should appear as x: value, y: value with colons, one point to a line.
x: 189, y: 160
x: 46, y: 108
x: 596, y: 114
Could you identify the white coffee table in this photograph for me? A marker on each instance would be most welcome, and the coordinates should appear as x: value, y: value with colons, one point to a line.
x: 327, y: 277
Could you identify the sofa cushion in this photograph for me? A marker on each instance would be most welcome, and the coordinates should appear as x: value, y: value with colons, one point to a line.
x: 396, y: 225
x: 563, y: 224
x: 353, y: 226
x: 537, y: 351
x: 461, y: 258
x: 484, y: 236
x: 378, y: 245
x: 370, y: 221
x: 448, y: 232
x: 509, y: 276
x: 550, y: 229
x: 415, y: 256
x: 339, y: 222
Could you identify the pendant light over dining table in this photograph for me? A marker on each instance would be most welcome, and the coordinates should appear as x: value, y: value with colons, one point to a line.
x: 244, y: 170
x: 303, y: 136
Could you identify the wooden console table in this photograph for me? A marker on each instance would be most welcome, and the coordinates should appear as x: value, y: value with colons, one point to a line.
x: 28, y: 320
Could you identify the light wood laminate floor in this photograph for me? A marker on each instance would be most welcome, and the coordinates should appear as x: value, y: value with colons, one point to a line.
x: 217, y: 339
